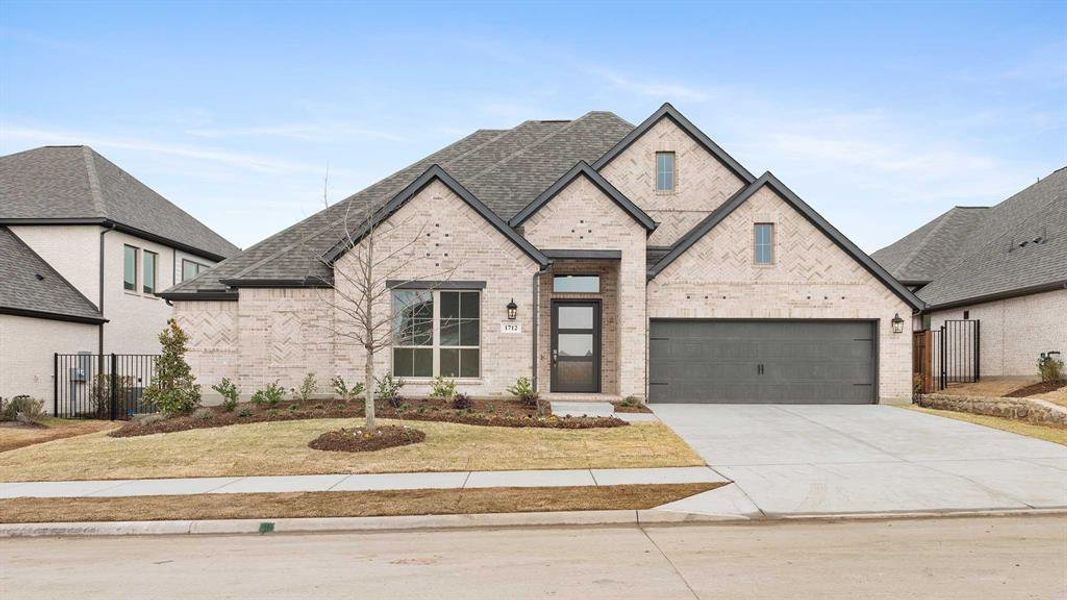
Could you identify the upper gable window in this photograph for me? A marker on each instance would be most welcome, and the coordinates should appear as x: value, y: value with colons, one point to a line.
x: 665, y: 171
x: 129, y: 268
x: 763, y: 243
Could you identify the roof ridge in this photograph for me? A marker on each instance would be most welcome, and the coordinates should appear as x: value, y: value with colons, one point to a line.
x: 55, y: 272
x: 525, y: 149
x: 94, y: 181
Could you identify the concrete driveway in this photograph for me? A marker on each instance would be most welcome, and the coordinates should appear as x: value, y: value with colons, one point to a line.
x: 807, y: 460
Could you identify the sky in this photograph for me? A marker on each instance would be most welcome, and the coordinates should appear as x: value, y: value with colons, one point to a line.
x: 880, y: 115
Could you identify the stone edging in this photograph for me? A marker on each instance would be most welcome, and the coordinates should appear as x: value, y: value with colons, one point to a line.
x: 1031, y: 410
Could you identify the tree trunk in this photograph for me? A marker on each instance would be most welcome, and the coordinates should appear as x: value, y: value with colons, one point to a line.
x: 368, y: 381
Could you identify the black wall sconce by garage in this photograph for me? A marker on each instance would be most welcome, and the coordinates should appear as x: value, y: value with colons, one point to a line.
x: 513, y: 310
x: 898, y: 324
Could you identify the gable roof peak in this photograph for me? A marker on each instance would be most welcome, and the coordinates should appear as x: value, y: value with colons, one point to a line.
x: 668, y: 111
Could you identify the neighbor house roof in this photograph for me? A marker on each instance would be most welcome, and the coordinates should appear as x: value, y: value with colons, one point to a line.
x: 31, y: 287
x: 504, y: 169
x: 974, y: 254
x: 76, y: 185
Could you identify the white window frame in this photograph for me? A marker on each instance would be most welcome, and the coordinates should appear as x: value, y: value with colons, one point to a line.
x: 768, y: 244
x: 136, y: 268
x: 435, y: 342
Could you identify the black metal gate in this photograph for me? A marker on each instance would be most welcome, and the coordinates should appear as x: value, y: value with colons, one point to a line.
x: 957, y: 352
x: 102, y: 386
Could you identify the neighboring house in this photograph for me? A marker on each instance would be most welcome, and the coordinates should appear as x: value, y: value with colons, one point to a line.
x: 1004, y: 265
x: 84, y: 250
x: 637, y: 261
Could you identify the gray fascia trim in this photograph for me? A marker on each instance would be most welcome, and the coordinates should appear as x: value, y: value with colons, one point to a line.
x: 41, y: 314
x: 583, y: 168
x: 679, y: 119
x: 307, y: 282
x: 584, y: 254
x: 1025, y: 291
x: 434, y: 285
x: 809, y: 213
x: 120, y: 227
x: 434, y: 172
x: 200, y: 296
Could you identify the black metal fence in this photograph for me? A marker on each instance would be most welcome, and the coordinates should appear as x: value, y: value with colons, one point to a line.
x: 957, y: 352
x: 102, y: 386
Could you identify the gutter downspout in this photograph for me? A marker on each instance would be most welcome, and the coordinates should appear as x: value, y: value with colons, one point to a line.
x: 108, y: 228
x: 536, y: 318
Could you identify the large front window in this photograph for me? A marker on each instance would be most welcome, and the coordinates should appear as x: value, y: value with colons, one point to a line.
x: 436, y: 333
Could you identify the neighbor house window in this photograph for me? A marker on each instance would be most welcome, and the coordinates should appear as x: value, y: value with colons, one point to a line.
x: 589, y: 284
x: 191, y: 269
x: 764, y: 243
x: 129, y: 268
x: 664, y: 171
x: 150, y: 267
x: 436, y: 333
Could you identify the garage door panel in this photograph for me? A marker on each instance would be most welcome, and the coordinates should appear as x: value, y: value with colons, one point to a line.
x: 803, y: 361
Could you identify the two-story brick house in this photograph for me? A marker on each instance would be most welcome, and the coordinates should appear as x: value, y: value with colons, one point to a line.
x: 599, y: 258
x: 85, y: 249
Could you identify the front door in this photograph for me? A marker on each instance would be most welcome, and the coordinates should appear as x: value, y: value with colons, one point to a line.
x: 575, y: 346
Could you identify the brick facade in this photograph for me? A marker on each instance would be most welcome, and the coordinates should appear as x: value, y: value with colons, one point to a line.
x: 811, y: 279
x: 1014, y: 331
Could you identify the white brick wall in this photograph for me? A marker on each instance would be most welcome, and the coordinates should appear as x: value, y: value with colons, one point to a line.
x: 702, y: 183
x: 27, y: 346
x: 1014, y: 331
x: 812, y: 279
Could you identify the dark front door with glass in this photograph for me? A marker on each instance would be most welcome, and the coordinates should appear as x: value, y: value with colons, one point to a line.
x: 575, y: 346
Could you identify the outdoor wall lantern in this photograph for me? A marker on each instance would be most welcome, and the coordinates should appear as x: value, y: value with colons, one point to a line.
x: 898, y: 324
x: 513, y: 310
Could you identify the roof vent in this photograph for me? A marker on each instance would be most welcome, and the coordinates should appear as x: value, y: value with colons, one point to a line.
x: 39, y: 276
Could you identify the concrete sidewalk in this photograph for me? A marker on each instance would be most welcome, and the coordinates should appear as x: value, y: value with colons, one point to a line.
x: 352, y: 483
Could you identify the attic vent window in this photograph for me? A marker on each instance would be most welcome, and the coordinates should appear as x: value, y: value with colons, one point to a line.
x: 665, y: 173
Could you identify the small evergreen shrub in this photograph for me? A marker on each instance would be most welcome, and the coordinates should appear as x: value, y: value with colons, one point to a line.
x: 269, y: 396
x: 443, y: 388
x: 461, y: 402
x: 307, y: 388
x: 523, y: 390
x: 244, y: 412
x: 344, y: 392
x: 230, y: 393
x: 22, y: 408
x: 389, y: 390
x: 1050, y: 366
x: 174, y: 390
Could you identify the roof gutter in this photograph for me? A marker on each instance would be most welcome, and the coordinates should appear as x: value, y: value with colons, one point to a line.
x: 119, y: 227
x: 1025, y: 291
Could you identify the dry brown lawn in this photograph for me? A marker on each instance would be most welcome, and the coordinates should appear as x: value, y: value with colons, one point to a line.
x: 1041, y: 432
x: 345, y: 504
x: 280, y: 448
x: 12, y: 437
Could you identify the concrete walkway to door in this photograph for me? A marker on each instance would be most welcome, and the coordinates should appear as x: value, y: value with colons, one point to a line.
x: 792, y: 460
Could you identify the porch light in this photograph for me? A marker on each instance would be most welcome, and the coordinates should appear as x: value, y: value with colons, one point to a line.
x: 513, y: 310
x: 898, y: 324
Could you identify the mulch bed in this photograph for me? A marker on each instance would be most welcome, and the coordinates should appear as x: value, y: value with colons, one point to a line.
x: 359, y: 439
x: 1037, y: 388
x: 495, y: 413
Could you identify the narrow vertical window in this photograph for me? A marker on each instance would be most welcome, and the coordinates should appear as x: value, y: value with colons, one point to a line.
x: 150, y: 266
x: 664, y: 171
x: 764, y: 243
x: 129, y: 269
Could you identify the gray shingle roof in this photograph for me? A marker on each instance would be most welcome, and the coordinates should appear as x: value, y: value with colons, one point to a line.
x: 504, y: 169
x: 969, y: 254
x: 31, y: 286
x: 75, y: 183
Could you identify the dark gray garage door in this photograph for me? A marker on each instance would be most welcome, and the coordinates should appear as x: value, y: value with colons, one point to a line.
x: 786, y: 362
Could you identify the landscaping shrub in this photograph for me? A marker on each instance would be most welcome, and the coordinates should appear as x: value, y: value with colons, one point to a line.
x: 173, y: 390
x: 1050, y: 366
x: 230, y: 393
x: 443, y: 388
x: 270, y: 395
x: 523, y: 390
x: 22, y: 408
x: 307, y: 388
x: 244, y: 412
x: 344, y: 392
x: 100, y: 392
x: 630, y: 401
x: 203, y: 414
x: 461, y: 402
x: 389, y: 390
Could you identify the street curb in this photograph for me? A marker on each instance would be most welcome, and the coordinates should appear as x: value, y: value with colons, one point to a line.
x: 605, y: 518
